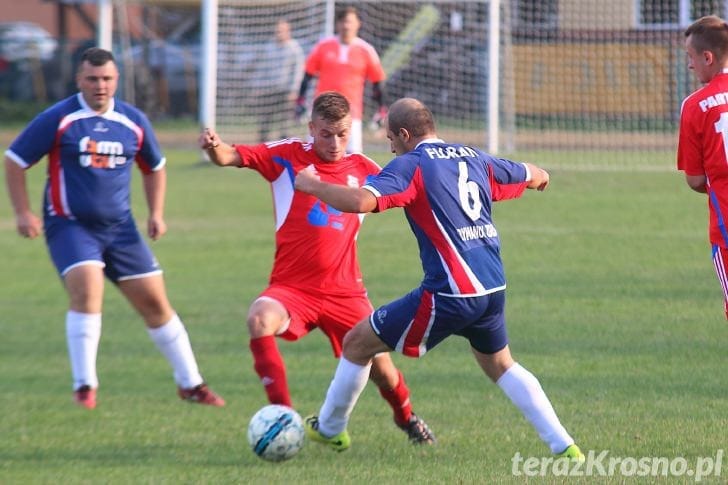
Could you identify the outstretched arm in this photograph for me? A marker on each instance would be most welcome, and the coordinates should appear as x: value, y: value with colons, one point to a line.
x: 220, y: 153
x: 341, y: 197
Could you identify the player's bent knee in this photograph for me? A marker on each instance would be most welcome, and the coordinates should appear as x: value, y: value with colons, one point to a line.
x: 496, y: 364
x: 262, y: 324
x: 361, y: 344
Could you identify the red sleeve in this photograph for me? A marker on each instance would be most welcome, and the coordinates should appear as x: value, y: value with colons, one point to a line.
x: 506, y: 191
x: 375, y: 71
x: 689, y: 148
x: 261, y: 159
x: 499, y: 191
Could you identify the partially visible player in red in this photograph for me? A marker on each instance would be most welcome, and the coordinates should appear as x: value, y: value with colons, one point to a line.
x: 316, y: 281
x: 343, y: 63
x: 703, y: 135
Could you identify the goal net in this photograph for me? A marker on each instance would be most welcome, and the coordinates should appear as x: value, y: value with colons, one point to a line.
x: 579, y: 81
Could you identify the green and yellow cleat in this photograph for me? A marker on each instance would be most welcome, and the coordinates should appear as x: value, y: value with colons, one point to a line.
x: 573, y: 452
x: 340, y: 442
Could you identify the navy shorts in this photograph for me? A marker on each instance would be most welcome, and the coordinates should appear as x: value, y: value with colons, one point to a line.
x: 119, y: 249
x: 420, y: 320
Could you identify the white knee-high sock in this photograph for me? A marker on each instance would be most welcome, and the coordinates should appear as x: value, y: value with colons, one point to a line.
x: 524, y: 390
x: 344, y: 390
x: 83, y: 331
x: 173, y: 341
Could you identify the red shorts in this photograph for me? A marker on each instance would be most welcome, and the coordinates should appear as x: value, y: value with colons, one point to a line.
x: 335, y: 315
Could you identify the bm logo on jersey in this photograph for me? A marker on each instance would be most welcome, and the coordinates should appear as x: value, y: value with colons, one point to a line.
x: 100, y: 153
x: 322, y: 215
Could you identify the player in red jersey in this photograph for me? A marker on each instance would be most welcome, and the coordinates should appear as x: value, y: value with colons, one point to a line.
x: 316, y: 281
x: 703, y: 135
x: 343, y: 63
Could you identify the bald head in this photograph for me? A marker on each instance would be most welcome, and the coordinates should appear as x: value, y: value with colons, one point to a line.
x: 412, y: 115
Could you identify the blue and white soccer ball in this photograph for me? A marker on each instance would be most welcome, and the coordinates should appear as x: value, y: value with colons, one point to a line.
x: 275, y: 432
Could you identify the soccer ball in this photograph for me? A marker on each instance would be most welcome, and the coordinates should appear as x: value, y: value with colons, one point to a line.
x: 275, y: 432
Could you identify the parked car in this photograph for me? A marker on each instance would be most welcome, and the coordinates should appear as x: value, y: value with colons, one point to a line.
x: 27, y: 51
x: 25, y: 40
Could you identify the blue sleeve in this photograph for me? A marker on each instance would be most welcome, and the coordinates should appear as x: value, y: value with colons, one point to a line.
x: 395, y: 178
x: 37, y: 139
x: 506, y: 171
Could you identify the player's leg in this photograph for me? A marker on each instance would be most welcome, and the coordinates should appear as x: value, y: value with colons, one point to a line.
x: 266, y: 318
x: 279, y: 311
x: 131, y: 265
x: 489, y: 342
x: 525, y: 391
x: 387, y: 327
x: 361, y: 344
x: 149, y: 298
x: 406, y: 321
x: 76, y: 254
x: 720, y: 257
x: 392, y: 387
x: 338, y: 315
x: 383, y: 373
x: 84, y: 285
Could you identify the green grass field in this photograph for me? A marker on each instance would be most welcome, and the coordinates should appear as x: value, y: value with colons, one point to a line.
x: 612, y: 303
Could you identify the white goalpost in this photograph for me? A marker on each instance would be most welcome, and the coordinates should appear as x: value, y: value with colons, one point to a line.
x: 208, y: 65
x: 407, y: 35
x: 536, y: 77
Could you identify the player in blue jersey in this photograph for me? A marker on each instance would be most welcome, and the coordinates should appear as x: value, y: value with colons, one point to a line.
x: 92, y: 140
x: 447, y: 191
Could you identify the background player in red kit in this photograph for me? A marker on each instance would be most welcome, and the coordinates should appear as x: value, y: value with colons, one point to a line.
x: 702, y: 147
x: 316, y: 280
x: 447, y: 191
x: 92, y: 141
x: 344, y: 63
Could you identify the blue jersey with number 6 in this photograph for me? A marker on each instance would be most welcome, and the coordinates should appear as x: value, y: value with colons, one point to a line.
x: 447, y: 191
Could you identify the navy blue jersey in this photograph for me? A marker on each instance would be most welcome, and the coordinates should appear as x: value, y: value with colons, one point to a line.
x: 89, y: 157
x: 447, y: 191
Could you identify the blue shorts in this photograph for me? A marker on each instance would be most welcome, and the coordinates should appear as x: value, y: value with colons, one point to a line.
x: 420, y: 320
x: 119, y: 249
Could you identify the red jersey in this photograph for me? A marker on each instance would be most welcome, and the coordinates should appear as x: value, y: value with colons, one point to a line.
x: 702, y: 146
x: 345, y: 69
x: 315, y: 244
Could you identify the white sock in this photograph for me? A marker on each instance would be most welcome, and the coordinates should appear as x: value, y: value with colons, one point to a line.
x: 83, y: 331
x: 524, y: 390
x: 344, y: 390
x: 173, y: 341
